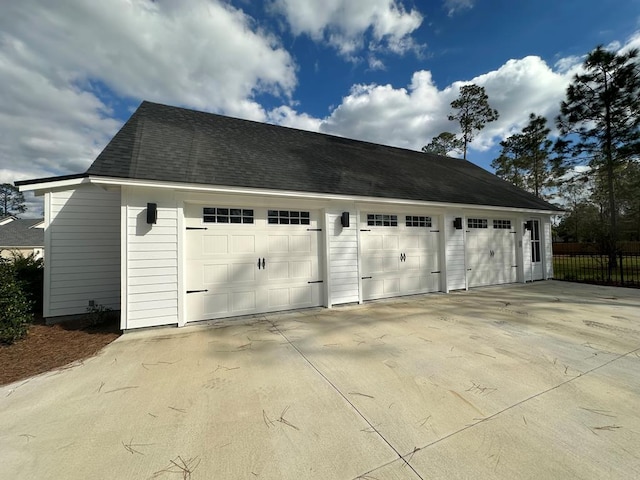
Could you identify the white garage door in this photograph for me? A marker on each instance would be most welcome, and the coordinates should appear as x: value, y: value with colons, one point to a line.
x: 491, y: 251
x: 400, y: 255
x: 248, y: 260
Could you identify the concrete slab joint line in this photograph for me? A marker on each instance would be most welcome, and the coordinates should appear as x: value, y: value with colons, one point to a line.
x: 539, y: 394
x: 406, y: 458
x: 371, y: 426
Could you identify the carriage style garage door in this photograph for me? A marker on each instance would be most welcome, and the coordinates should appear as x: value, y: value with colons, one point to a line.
x: 244, y: 260
x: 400, y: 255
x: 491, y: 251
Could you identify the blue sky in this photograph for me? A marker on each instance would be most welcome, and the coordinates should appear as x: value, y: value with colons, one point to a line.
x: 72, y: 71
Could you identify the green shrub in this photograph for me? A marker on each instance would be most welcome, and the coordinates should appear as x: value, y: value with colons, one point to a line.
x: 15, y: 307
x: 29, y: 271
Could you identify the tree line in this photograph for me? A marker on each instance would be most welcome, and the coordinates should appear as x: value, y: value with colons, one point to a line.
x: 592, y: 167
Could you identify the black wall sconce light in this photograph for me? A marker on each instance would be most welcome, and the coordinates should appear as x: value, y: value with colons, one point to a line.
x: 152, y: 213
x: 528, y: 225
x: 457, y: 223
x: 344, y: 219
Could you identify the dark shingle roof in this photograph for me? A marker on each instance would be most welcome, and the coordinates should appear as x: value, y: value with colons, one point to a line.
x: 173, y: 144
x: 19, y: 233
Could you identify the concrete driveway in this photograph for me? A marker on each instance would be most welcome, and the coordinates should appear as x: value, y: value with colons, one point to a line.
x: 522, y: 381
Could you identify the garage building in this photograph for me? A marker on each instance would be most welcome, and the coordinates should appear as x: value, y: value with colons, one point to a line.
x: 189, y: 216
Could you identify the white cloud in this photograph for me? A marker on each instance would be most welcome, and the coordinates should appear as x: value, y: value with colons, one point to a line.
x: 288, y: 117
x: 344, y: 24
x: 410, y: 117
x: 454, y: 6
x: 58, y: 58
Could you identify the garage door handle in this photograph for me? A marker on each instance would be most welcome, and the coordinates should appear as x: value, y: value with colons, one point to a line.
x: 263, y: 263
x: 259, y: 263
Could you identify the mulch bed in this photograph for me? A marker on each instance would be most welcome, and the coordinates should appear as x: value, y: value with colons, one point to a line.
x: 47, y: 347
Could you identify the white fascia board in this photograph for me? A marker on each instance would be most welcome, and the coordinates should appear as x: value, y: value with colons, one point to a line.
x: 44, y: 187
x: 190, y: 187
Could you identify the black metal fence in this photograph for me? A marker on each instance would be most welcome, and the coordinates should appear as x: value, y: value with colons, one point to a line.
x: 586, y: 263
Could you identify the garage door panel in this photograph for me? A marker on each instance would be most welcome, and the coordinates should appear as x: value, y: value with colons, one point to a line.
x: 391, y: 264
x: 300, y: 244
x: 278, y: 297
x: 399, y: 260
x: 301, y: 269
x: 243, y: 272
x: 213, y: 274
x: 301, y: 295
x: 243, y: 243
x: 412, y: 283
x: 223, y: 260
x: 490, y: 255
x: 278, y: 244
x: 390, y: 242
x: 410, y: 241
x: 278, y: 271
x: 374, y: 265
x: 214, y: 244
x: 214, y: 304
x: 413, y: 262
x: 244, y: 301
x: 372, y: 242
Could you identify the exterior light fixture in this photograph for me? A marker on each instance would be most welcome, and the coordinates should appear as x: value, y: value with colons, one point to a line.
x: 152, y: 213
x: 344, y: 219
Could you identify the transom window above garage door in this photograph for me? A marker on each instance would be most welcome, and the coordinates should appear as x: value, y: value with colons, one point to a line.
x: 502, y: 224
x: 287, y: 217
x: 227, y: 215
x: 382, y: 220
x: 477, y: 223
x: 418, y: 221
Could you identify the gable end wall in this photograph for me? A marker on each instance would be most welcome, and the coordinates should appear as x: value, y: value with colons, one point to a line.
x: 82, y: 258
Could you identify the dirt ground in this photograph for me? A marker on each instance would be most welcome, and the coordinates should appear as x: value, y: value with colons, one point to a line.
x: 47, y: 347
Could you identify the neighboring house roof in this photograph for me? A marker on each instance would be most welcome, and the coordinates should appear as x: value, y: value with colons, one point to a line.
x: 164, y: 143
x: 7, y: 218
x: 22, y: 232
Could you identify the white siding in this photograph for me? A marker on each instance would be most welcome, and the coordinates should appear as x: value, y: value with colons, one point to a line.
x: 83, y: 251
x: 343, y: 258
x: 152, y: 261
x: 548, y: 248
x: 454, y: 253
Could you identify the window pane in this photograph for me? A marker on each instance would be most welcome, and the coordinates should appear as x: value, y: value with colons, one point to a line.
x: 223, y: 219
x: 304, y: 221
x: 209, y: 211
x: 273, y: 220
x: 304, y: 214
x: 247, y: 220
x: 235, y: 219
x: 273, y: 213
